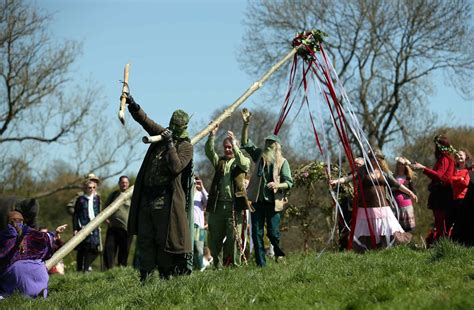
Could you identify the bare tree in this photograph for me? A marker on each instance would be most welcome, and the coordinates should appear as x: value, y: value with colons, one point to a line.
x: 40, y: 115
x: 32, y: 72
x: 385, y: 52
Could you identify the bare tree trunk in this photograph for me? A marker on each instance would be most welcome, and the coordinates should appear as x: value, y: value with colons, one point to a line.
x: 113, y: 207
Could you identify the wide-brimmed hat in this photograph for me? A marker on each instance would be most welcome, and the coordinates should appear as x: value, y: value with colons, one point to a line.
x: 92, y: 177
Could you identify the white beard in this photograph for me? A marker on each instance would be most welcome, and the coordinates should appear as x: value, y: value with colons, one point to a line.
x: 268, y: 155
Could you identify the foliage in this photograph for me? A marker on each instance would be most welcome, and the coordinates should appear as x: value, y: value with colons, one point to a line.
x: 307, y: 175
x: 398, y: 278
x: 314, y: 207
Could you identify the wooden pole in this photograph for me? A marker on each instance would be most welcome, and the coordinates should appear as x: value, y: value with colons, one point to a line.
x: 230, y: 109
x: 87, y: 230
x: 121, y: 114
x: 113, y: 207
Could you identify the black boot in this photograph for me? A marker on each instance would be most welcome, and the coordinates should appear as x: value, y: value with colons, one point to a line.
x: 144, y: 275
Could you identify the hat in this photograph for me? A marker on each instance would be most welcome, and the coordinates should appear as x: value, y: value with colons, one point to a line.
x: 15, y: 216
x: 273, y: 137
x: 92, y: 177
x: 179, y: 118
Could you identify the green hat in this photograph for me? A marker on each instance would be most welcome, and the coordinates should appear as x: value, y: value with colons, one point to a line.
x: 273, y: 137
x: 179, y: 118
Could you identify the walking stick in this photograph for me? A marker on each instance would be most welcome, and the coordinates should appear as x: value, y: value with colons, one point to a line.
x: 107, y: 212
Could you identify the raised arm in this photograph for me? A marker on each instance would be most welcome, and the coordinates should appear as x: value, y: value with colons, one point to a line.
x: 246, y: 115
x: 241, y: 161
x: 142, y: 118
x: 210, y: 149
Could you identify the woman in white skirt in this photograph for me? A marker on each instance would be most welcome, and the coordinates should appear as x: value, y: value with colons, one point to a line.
x: 376, y: 225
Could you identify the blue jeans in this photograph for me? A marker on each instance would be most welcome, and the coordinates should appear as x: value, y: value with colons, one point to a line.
x: 265, y: 213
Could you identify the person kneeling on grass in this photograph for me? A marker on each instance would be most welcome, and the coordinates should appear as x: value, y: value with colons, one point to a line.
x: 23, y: 251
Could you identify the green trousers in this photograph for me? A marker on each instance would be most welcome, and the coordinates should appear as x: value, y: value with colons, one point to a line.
x: 221, y: 227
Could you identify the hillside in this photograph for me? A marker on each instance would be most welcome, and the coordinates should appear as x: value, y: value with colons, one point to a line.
x: 399, y: 278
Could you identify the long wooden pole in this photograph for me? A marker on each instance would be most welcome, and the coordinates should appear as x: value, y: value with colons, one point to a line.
x: 113, y: 207
x: 230, y: 109
x: 87, y: 230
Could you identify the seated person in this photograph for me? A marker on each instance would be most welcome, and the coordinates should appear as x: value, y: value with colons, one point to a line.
x: 23, y: 251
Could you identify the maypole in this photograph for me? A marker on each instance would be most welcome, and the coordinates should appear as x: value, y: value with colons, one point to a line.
x: 316, y: 67
x: 114, y: 206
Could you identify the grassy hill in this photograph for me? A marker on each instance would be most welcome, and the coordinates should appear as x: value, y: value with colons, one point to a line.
x: 398, y: 278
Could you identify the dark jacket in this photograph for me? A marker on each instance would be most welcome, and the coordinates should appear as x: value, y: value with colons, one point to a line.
x: 179, y: 159
x: 81, y: 218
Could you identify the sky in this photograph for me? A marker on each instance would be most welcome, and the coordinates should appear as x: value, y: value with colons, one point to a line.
x: 182, y: 54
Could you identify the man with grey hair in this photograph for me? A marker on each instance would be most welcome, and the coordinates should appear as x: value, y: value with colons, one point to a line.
x: 269, y: 183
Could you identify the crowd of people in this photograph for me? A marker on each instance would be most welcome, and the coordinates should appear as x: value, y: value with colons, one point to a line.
x: 451, y: 192
x: 181, y: 227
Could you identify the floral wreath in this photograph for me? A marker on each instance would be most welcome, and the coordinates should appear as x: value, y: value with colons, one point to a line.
x: 311, y: 39
x: 443, y: 148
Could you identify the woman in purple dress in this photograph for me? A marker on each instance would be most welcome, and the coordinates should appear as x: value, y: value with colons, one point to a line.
x: 22, y: 254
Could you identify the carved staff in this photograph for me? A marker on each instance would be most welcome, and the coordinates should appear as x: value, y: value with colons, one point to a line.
x: 123, y: 97
x: 113, y: 207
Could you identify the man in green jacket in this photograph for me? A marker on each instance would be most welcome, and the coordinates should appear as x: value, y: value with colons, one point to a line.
x: 267, y: 189
x: 227, y: 199
x: 159, y: 213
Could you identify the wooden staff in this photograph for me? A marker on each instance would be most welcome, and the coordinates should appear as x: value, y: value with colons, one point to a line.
x: 123, y: 98
x: 113, y: 207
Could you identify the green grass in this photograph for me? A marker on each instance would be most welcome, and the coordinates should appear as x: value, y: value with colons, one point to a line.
x: 399, y: 278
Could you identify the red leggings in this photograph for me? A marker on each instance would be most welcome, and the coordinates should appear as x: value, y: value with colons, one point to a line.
x: 442, y: 223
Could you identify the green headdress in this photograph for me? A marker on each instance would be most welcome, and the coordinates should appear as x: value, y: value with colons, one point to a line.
x: 179, y: 123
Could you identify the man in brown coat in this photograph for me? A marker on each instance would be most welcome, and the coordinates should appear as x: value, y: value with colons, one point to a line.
x: 158, y: 212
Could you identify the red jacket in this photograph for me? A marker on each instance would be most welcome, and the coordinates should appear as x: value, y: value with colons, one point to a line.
x: 442, y: 171
x: 459, y: 183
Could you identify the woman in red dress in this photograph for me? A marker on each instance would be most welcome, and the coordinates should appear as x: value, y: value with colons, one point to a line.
x: 441, y: 193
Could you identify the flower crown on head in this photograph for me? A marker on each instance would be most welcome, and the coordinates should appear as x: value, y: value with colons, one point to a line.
x: 443, y: 148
